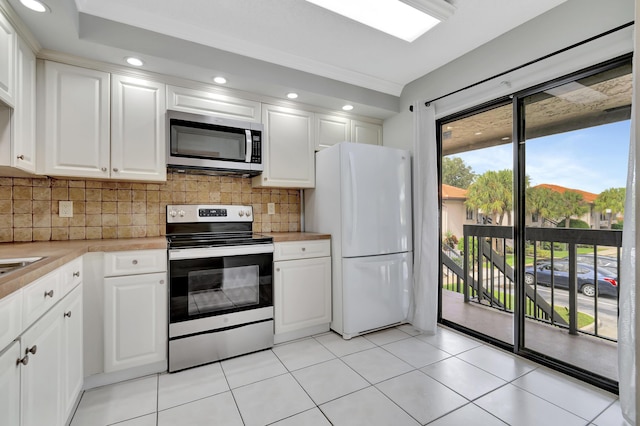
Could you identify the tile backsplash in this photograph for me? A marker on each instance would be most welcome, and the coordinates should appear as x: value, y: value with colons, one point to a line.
x: 109, y: 209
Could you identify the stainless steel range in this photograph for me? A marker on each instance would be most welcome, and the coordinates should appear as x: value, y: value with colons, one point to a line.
x: 221, y: 288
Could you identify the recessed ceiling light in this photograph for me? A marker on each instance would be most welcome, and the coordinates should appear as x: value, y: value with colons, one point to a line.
x: 136, y: 62
x: 292, y: 95
x: 220, y: 80
x: 35, y: 5
x: 404, y: 19
x: 347, y: 107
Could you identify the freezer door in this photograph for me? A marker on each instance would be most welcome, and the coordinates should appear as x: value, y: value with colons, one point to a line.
x: 376, y: 291
x: 376, y: 200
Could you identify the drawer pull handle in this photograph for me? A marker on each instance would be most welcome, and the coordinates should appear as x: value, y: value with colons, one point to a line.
x: 134, y: 261
x: 104, y: 169
x: 48, y: 293
x: 115, y: 169
x: 20, y: 157
x: 76, y: 274
x: 32, y: 350
x: 23, y: 361
x: 67, y: 314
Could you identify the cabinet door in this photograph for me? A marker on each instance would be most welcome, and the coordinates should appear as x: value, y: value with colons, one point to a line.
x: 302, y: 291
x: 331, y: 130
x: 72, y: 355
x: 23, y: 155
x: 41, y: 377
x: 138, y: 129
x: 364, y: 132
x: 135, y: 320
x: 210, y: 103
x: 10, y: 385
x: 7, y: 61
x: 288, y: 148
x: 75, y: 134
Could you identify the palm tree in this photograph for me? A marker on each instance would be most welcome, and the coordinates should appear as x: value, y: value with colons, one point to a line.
x: 544, y: 201
x: 492, y: 193
x: 571, y: 204
x: 611, y: 199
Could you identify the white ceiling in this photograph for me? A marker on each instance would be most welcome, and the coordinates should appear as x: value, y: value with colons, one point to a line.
x: 334, y: 57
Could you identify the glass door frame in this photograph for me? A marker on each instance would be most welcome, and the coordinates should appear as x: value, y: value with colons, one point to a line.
x: 519, y: 211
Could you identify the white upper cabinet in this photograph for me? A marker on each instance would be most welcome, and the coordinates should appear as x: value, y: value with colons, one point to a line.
x: 23, y: 155
x: 74, y: 134
x: 331, y: 130
x: 137, y: 129
x: 97, y: 125
x: 209, y: 103
x: 7, y: 61
x: 365, y: 132
x: 288, y: 148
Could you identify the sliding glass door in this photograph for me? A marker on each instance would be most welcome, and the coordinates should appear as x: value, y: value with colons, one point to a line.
x: 532, y: 207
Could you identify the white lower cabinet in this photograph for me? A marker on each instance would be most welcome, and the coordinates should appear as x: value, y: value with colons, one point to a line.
x: 41, y: 372
x: 72, y: 352
x: 10, y: 385
x: 135, y: 320
x: 302, y: 289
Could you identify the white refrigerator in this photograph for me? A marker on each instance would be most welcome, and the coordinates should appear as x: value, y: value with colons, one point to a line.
x: 363, y: 199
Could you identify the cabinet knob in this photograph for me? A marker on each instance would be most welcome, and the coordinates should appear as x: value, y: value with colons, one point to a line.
x: 20, y: 157
x: 304, y: 248
x: 161, y: 281
x: 32, y: 350
x: 76, y: 274
x: 23, y: 361
x: 134, y: 261
x: 48, y: 293
x: 277, y: 269
x: 67, y: 314
x: 115, y: 169
x: 104, y: 169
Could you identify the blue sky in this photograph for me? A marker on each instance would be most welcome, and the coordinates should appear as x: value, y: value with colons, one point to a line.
x: 591, y: 159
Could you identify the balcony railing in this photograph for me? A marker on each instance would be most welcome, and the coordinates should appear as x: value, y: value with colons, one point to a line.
x: 560, y: 265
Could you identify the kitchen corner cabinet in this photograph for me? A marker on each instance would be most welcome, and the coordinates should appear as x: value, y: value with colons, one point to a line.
x: 23, y: 151
x: 7, y: 61
x: 138, y: 129
x: 302, y: 289
x: 135, y: 309
x: 97, y: 125
x: 288, y: 148
x: 365, y: 132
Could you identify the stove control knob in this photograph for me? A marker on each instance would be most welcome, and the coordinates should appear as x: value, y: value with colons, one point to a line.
x: 240, y: 213
x: 248, y: 213
x: 181, y: 213
x: 173, y: 213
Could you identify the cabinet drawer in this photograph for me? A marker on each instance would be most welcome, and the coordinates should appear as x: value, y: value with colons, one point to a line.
x: 71, y: 275
x: 301, y: 249
x: 134, y: 262
x: 39, y: 296
x: 10, y: 318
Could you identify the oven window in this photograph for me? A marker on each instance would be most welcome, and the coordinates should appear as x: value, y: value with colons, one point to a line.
x: 212, y: 290
x: 205, y: 287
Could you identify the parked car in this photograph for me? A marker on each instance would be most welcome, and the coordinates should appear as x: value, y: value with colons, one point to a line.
x: 607, y: 280
x: 608, y: 262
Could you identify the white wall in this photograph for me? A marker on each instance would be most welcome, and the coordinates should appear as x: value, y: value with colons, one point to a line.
x: 569, y: 23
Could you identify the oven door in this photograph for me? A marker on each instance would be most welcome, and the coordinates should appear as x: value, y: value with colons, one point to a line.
x: 228, y: 283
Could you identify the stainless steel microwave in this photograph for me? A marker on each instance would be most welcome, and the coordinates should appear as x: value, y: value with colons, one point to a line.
x: 213, y: 145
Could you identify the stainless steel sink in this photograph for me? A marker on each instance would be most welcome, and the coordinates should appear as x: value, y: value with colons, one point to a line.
x: 10, y: 265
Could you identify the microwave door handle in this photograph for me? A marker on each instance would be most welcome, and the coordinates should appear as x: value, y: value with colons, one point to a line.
x: 247, y: 133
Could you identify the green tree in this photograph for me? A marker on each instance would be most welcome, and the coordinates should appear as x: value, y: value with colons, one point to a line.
x: 456, y: 173
x: 571, y: 204
x: 492, y: 193
x: 613, y: 199
x: 544, y: 202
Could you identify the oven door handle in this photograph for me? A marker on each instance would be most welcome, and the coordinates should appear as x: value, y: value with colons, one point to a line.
x: 200, y: 253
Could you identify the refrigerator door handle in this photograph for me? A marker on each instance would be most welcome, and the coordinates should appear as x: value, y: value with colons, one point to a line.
x: 353, y: 198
